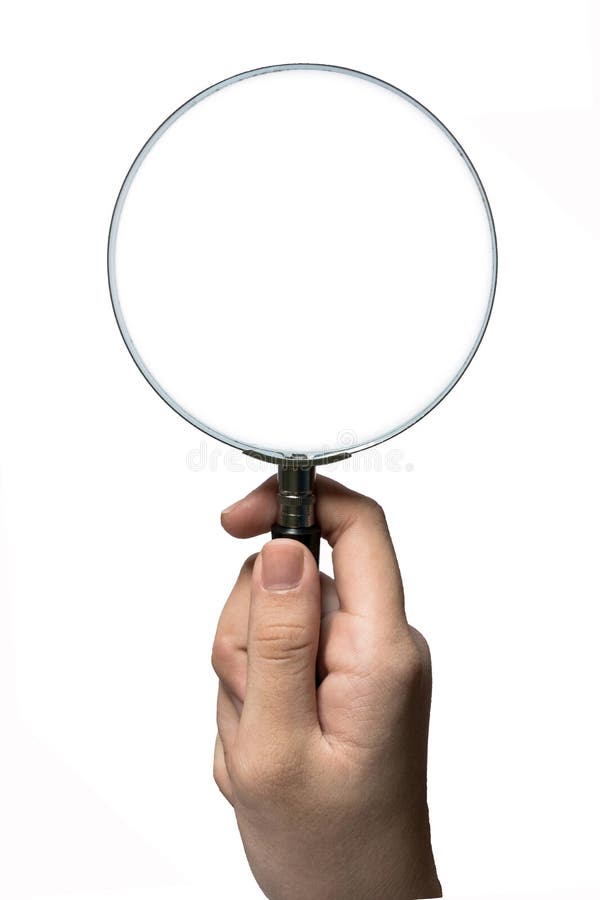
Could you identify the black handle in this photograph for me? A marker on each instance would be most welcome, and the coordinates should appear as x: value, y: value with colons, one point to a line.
x: 296, y: 504
x: 309, y: 535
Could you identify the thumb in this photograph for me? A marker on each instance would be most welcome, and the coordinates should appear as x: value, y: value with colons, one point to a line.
x: 283, y: 638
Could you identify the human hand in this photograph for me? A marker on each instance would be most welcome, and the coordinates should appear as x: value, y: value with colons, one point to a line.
x: 323, y: 710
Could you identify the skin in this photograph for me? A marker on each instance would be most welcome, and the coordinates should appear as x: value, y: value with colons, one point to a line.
x: 323, y: 710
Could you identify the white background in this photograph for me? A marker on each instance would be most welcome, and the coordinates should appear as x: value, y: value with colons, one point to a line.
x: 114, y: 567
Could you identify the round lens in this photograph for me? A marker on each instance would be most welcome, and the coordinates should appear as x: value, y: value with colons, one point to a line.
x: 302, y: 260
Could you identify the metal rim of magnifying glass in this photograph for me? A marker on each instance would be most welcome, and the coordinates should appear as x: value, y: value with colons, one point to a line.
x: 269, y: 454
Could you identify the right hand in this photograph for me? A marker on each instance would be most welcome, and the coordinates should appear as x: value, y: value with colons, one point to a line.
x: 323, y: 719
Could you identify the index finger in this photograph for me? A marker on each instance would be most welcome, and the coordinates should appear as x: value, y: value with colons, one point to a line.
x: 366, y: 570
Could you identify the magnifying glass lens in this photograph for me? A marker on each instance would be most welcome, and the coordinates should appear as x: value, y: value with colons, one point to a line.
x: 302, y: 261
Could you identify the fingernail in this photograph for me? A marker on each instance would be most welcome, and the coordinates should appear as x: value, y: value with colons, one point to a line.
x: 282, y: 563
x: 229, y: 508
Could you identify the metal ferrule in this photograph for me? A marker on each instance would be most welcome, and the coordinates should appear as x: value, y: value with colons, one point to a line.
x: 296, y: 497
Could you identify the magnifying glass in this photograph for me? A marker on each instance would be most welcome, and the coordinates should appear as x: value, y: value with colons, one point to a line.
x: 302, y: 263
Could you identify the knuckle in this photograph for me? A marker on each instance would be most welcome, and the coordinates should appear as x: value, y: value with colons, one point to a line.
x: 422, y: 646
x: 223, y: 652
x: 412, y: 669
x: 220, y: 780
x: 374, y: 510
x: 220, y: 773
x: 406, y: 667
x: 282, y: 641
x: 248, y: 565
x: 411, y: 664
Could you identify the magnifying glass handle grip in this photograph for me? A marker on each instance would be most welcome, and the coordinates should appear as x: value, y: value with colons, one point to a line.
x: 296, y: 504
x: 309, y: 535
